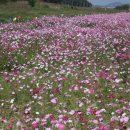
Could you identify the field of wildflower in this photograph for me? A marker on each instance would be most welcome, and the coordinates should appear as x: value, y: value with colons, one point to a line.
x: 66, y: 73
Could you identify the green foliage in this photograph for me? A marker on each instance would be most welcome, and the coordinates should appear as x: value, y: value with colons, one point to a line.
x: 123, y: 7
x: 81, y: 3
x: 32, y: 2
x: 46, y: 6
x: 3, y: 1
x: 13, y: 0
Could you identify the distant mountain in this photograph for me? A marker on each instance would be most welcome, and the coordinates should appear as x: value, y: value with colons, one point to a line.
x: 98, y: 5
x: 114, y: 4
x: 111, y: 5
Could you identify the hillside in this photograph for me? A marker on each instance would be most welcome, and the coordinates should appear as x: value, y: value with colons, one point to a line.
x: 114, y: 4
x: 21, y: 8
x: 81, y: 3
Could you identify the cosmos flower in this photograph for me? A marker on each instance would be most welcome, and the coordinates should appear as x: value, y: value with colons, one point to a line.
x: 34, y: 125
x: 61, y: 127
x: 19, y: 17
x: 65, y: 72
x: 14, y: 19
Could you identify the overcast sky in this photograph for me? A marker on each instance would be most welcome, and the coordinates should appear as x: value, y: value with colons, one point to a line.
x: 104, y: 2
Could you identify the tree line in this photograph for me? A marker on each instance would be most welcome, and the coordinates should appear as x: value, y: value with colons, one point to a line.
x: 123, y: 7
x: 82, y: 3
x: 72, y: 3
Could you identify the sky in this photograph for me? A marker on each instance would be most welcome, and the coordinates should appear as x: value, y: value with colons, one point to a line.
x: 104, y: 2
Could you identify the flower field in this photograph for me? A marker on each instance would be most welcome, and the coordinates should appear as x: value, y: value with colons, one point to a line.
x: 66, y: 73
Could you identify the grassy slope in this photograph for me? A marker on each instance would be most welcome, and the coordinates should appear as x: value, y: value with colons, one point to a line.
x: 24, y: 10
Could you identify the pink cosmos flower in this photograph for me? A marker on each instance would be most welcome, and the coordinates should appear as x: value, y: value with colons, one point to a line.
x: 56, y: 91
x: 18, y: 123
x: 129, y: 43
x: 43, y: 123
x: 72, y: 112
x: 110, y: 96
x: 124, y: 119
x: 103, y: 127
x: 73, y: 128
x: 91, y: 90
x: 61, y: 127
x: 48, y: 129
x: 76, y: 88
x: 124, y: 49
x: 53, y: 121
x: 119, y: 111
x: 95, y: 121
x: 102, y: 74
x: 34, y: 125
x: 54, y: 100
x: 10, y: 126
x: 4, y: 120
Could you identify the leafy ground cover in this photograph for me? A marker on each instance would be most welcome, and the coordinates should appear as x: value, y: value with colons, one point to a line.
x: 66, y: 73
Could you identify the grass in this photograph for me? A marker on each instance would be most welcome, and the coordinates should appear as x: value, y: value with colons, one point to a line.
x: 11, y: 10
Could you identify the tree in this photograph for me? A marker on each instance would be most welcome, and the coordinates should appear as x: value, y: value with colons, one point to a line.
x: 72, y: 3
x: 32, y: 2
x: 13, y: 0
x: 3, y: 1
x: 123, y: 7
